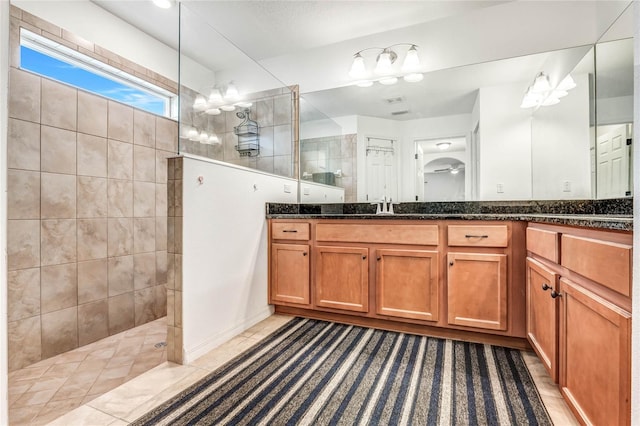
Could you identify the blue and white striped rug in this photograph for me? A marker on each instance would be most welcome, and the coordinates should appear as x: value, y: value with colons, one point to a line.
x: 315, y: 373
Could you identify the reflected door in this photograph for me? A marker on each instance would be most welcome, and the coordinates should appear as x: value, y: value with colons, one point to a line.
x: 612, y: 157
x: 381, y: 174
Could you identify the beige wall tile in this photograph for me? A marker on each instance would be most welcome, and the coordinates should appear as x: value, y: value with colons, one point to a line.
x: 23, y: 298
x: 161, y: 267
x: 24, y: 342
x: 282, y: 165
x: 171, y: 343
x: 177, y: 308
x: 23, y: 244
x: 282, y: 140
x: 171, y: 198
x: 24, y: 95
x: 178, y: 272
x: 58, y: 241
x: 144, y: 270
x: 265, y: 164
x: 41, y: 23
x: 59, y: 332
x: 120, y: 275
x: 171, y: 300
x: 166, y: 134
x: 58, y: 196
x: 144, y: 305
x: 59, y: 105
x: 92, y: 239
x: 92, y: 155
x: 161, y: 301
x: 266, y: 142
x: 178, y: 198
x: 92, y: 197
x: 161, y: 199
x: 171, y: 234
x: 144, y: 199
x: 177, y: 345
x: 119, y: 160
x: 144, y: 235
x: 23, y: 145
x: 121, y: 313
x: 264, y: 112
x: 120, y: 237
x: 161, y: 165
x: 92, y: 114
x: 23, y: 194
x: 120, y: 195
x: 59, y: 287
x: 144, y: 163
x: 120, y: 122
x: 282, y: 110
x: 161, y: 233
x: 58, y: 150
x: 177, y: 238
x: 144, y: 128
x: 92, y: 280
x: 93, y: 321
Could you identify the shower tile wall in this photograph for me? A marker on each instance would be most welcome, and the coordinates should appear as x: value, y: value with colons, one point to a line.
x: 274, y: 112
x: 87, y: 210
x: 330, y: 154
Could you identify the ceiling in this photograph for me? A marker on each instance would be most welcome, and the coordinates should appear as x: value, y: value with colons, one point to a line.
x: 311, y: 43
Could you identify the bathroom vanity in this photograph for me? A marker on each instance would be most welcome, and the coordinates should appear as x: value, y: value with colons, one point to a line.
x: 481, y: 272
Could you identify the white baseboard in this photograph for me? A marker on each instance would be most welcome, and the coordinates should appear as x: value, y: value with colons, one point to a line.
x: 220, y: 337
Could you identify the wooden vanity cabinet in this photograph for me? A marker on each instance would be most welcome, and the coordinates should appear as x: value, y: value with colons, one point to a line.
x: 289, y: 273
x: 580, y: 325
x: 477, y: 282
x: 342, y: 278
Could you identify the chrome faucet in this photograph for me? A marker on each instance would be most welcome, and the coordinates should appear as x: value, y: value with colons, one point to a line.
x: 384, y: 207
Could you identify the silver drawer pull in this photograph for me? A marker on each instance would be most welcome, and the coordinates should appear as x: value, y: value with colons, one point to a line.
x: 289, y: 230
x: 476, y: 236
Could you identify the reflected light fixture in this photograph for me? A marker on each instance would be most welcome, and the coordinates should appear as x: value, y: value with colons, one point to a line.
x: 364, y: 83
x: 385, y: 61
x: 228, y: 108
x: 541, y: 83
x: 443, y: 145
x: 413, y: 77
x: 566, y: 84
x: 358, y: 69
x: 213, y: 111
x: 540, y: 93
x: 215, y: 96
x: 193, y: 135
x: 411, y: 61
x: 164, y: 4
x: 232, y: 92
x: 244, y: 104
x: 200, y: 104
x: 213, y: 139
x: 387, y: 81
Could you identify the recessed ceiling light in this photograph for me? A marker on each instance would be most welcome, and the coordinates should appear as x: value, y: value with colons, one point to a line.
x: 443, y: 145
x: 164, y: 4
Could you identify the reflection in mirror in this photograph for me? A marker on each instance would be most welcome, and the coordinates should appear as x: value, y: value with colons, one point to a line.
x: 231, y: 109
x: 441, y: 165
x: 614, y: 105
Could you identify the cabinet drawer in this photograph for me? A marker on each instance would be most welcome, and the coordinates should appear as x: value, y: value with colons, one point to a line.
x: 543, y: 243
x: 391, y: 234
x: 290, y: 231
x: 604, y: 262
x: 478, y: 235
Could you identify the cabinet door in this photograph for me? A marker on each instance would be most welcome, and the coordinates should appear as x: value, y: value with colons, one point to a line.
x: 290, y: 273
x: 407, y: 284
x: 542, y: 315
x: 477, y: 290
x: 342, y: 278
x: 595, y: 340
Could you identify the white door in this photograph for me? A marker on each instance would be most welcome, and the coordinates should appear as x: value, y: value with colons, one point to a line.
x: 612, y: 156
x: 381, y: 175
x: 419, y: 178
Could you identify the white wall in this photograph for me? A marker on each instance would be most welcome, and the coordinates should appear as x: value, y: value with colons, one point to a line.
x: 346, y: 125
x: 225, y: 250
x: 560, y: 146
x: 81, y: 18
x: 505, y: 151
x: 4, y: 88
x: 615, y: 110
x: 313, y: 192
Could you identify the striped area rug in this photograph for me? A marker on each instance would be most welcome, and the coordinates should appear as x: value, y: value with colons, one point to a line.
x: 315, y: 373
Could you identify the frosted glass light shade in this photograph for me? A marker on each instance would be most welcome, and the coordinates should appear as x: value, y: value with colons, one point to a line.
x: 413, y: 77
x: 387, y: 81
x: 214, y: 140
x: 443, y: 145
x: 411, y: 61
x: 193, y: 135
x: 204, y: 137
x: 228, y: 108
x: 232, y: 92
x: 541, y: 84
x: 200, y: 104
x: 383, y: 65
x: 164, y: 4
x: 213, y: 111
x: 357, y: 67
x: 364, y: 83
x: 550, y: 100
x: 567, y: 83
x: 215, y: 96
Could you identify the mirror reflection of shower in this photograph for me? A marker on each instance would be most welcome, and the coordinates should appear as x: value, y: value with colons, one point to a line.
x: 442, y: 165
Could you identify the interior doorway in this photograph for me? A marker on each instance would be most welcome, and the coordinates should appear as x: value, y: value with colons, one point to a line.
x: 443, y: 164
x: 382, y: 180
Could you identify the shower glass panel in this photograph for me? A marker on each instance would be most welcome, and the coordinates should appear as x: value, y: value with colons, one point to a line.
x: 218, y: 85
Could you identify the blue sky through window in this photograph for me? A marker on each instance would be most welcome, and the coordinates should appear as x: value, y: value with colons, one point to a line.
x: 48, y: 66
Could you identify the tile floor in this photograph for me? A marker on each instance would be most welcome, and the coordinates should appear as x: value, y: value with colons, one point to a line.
x: 138, y: 396
x: 50, y: 388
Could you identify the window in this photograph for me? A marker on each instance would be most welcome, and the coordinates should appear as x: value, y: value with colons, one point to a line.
x: 50, y: 59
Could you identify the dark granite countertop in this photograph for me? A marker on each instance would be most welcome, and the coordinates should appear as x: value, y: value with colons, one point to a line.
x: 615, y: 214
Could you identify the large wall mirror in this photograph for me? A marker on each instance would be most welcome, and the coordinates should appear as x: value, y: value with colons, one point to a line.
x: 471, y: 133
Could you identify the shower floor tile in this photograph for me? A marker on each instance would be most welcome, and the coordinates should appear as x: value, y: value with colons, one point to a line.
x: 55, y: 386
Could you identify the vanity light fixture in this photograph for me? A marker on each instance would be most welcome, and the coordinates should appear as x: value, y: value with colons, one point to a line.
x: 243, y: 104
x: 384, y: 66
x: 200, y: 104
x: 193, y: 135
x: 443, y: 145
x: 213, y: 139
x: 540, y: 93
x: 215, y: 96
x: 213, y: 111
x: 228, y: 108
x: 231, y: 93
